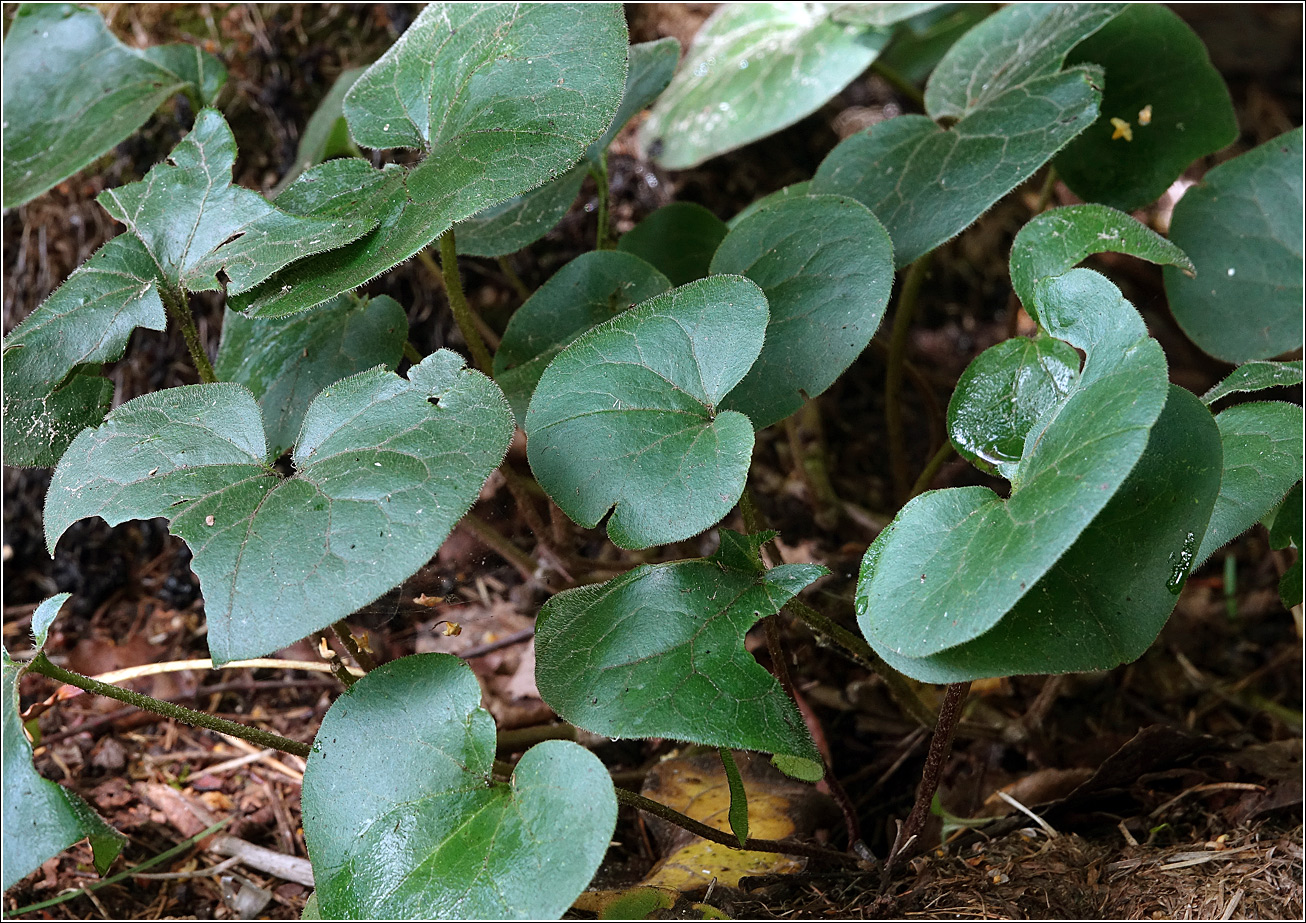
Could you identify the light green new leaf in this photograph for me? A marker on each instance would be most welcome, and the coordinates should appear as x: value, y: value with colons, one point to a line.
x: 41, y: 818
x: 501, y: 98
x: 954, y: 562
x: 1003, y: 393
x: 72, y: 91
x: 826, y: 266
x: 927, y: 184
x: 659, y: 652
x: 524, y: 219
x: 327, y: 134
x: 753, y: 69
x: 1284, y: 531
x: 403, y: 819
x: 678, y: 240
x: 1009, y: 49
x: 628, y: 416
x: 591, y: 289
x: 286, y: 361
x: 1104, y: 602
x: 1155, y: 64
x: 1256, y: 376
x: 1262, y: 460
x: 384, y: 468
x: 1060, y: 239
x: 1242, y: 228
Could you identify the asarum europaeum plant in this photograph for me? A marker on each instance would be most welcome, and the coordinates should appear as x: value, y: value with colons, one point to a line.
x: 640, y: 373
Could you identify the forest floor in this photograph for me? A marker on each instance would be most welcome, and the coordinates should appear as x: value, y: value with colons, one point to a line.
x: 1170, y: 787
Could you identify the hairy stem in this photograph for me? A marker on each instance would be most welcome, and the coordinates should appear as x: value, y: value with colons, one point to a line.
x: 41, y: 664
x: 518, y: 286
x: 517, y: 739
x: 463, y: 315
x: 600, y: 174
x: 411, y: 353
x: 671, y: 815
x: 902, y: 318
x: 178, y: 308
x: 931, y: 469
x: 361, y: 655
x: 1049, y: 187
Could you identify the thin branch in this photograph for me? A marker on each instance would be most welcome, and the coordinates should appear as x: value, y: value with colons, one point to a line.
x: 600, y: 174
x: 178, y: 308
x: 902, y: 318
x: 362, y: 656
x: 518, y: 286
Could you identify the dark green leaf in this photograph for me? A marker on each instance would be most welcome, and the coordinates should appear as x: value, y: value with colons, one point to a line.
x: 1002, y: 394
x: 927, y: 184
x: 384, y: 468
x: 659, y: 652
x: 1262, y: 459
x: 1284, y: 531
x: 738, y: 797
x: 501, y: 98
x: 404, y: 821
x: 753, y: 69
x: 826, y: 266
x: 1159, y: 79
x: 627, y: 415
x: 591, y: 289
x: 1060, y: 239
x: 1242, y: 228
x: 72, y: 91
x: 1256, y: 376
x: 793, y: 189
x: 678, y: 240
x: 41, y: 818
x: 327, y: 134
x: 1008, y: 50
x: 921, y: 42
x: 286, y: 361
x: 954, y: 562
x: 1107, y: 598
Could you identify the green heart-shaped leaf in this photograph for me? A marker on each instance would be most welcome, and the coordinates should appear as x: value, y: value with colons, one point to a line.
x: 1160, y: 81
x: 384, y: 469
x: 1256, y: 376
x: 678, y: 240
x: 41, y: 818
x: 1262, y: 460
x: 954, y: 562
x: 1242, y: 228
x: 826, y: 266
x: 286, y: 361
x: 1106, y: 599
x: 589, y: 290
x: 1285, y: 530
x: 72, y: 91
x: 403, y: 820
x: 327, y: 134
x: 501, y: 98
x: 627, y: 415
x: 659, y: 652
x: 753, y: 69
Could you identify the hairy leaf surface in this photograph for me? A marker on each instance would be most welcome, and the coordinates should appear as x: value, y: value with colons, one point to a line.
x: 1256, y: 376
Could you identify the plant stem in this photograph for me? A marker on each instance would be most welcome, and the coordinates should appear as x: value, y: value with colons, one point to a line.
x: 809, y: 459
x: 931, y: 469
x: 1045, y: 194
x: 518, y: 286
x: 940, y: 748
x: 517, y: 739
x: 41, y: 664
x: 411, y: 353
x: 178, y: 308
x: 363, y: 658
x: 600, y: 174
x: 462, y: 311
x: 900, y: 688
x: 899, y: 83
x: 671, y: 815
x: 491, y: 538
x: 902, y: 318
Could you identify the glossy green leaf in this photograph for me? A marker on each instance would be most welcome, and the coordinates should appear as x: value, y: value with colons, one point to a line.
x: 384, y: 468
x: 801, y: 188
x: 659, y: 652
x: 286, y: 361
x: 501, y: 98
x: 404, y: 821
x: 927, y: 184
x: 954, y: 562
x: 753, y: 69
x: 1155, y: 64
x: 1007, y: 51
x: 1284, y: 531
x: 524, y: 219
x: 41, y: 818
x: 678, y: 240
x: 826, y: 266
x: 920, y: 42
x: 1060, y: 239
x: 1256, y: 376
x: 1242, y: 228
x: 1104, y: 602
x: 627, y: 415
x: 591, y: 289
x: 1003, y: 393
x: 1262, y: 460
x: 72, y: 91
x: 327, y: 134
